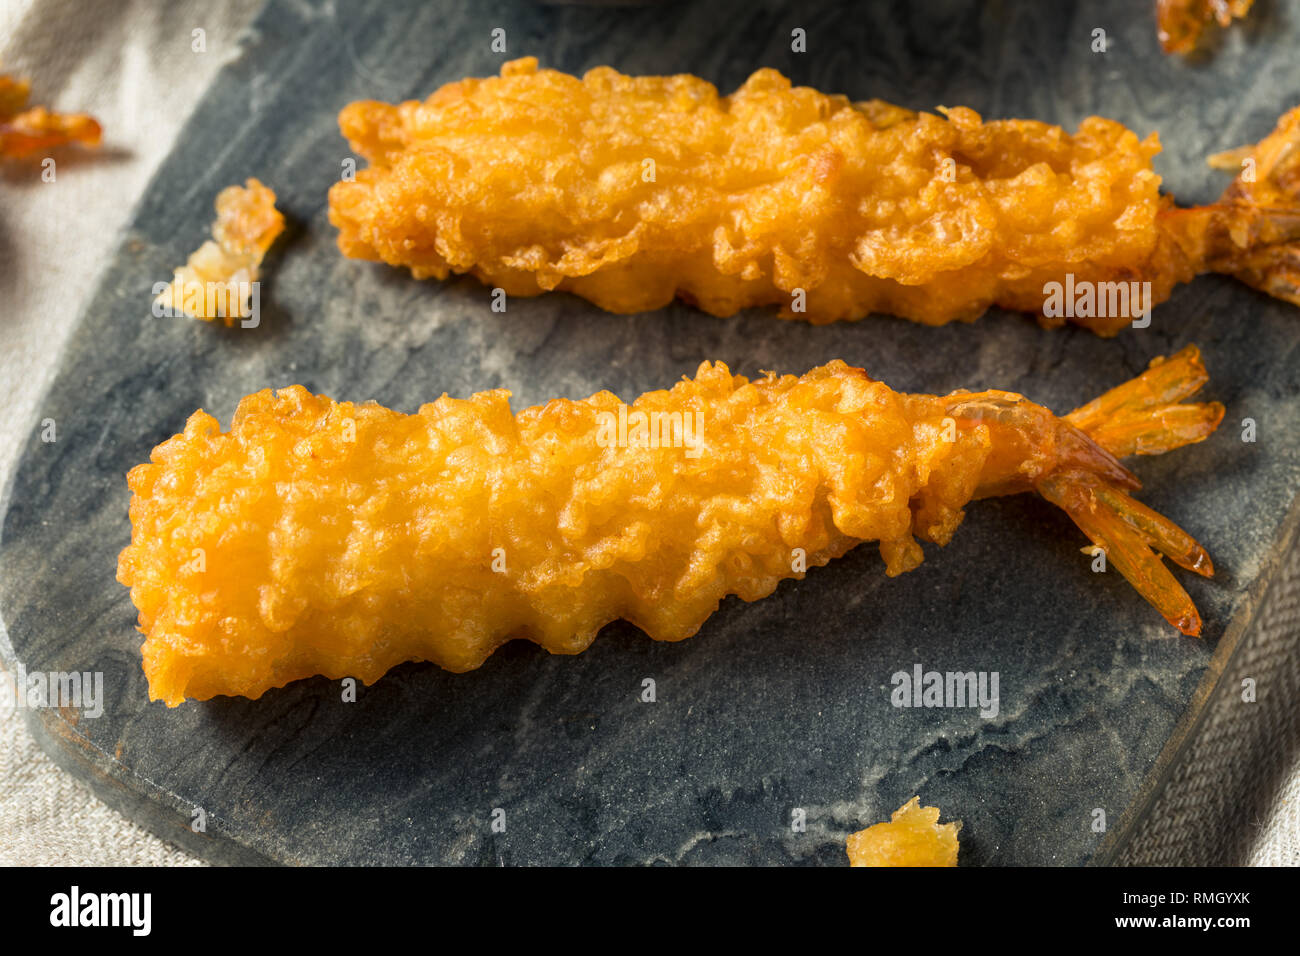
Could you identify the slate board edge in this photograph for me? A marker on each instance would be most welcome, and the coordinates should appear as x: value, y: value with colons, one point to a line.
x: 134, y: 797
x: 1236, y: 636
x: 103, y: 281
x: 125, y: 792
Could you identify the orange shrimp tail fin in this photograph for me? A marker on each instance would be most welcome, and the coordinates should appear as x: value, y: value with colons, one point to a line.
x: 1127, y: 531
x: 1253, y: 231
x: 1144, y: 416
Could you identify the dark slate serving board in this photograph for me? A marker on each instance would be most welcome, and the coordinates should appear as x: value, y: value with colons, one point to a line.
x: 774, y: 706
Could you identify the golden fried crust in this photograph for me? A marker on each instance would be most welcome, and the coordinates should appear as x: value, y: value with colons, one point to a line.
x: 318, y: 537
x: 632, y: 190
x: 912, y: 837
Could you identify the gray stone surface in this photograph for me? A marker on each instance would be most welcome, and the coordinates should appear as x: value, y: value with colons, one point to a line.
x: 777, y: 705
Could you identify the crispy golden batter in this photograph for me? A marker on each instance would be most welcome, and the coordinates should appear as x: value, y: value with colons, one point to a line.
x: 28, y: 130
x: 912, y: 837
x: 214, y: 282
x: 1180, y: 23
x: 323, y: 537
x: 629, y: 191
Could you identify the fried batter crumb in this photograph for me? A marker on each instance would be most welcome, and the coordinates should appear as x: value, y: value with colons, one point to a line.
x: 215, y: 282
x: 912, y: 837
x: 1180, y: 23
x: 28, y: 130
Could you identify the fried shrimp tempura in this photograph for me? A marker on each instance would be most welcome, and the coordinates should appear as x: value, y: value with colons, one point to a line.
x: 912, y: 837
x: 323, y: 537
x: 215, y: 282
x: 1180, y: 23
x: 629, y: 191
x: 28, y: 130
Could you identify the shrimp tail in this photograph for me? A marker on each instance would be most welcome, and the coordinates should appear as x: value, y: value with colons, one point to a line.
x: 1141, y: 417
x: 1145, y: 416
x: 1073, y: 462
x: 1127, y: 531
x: 1253, y: 231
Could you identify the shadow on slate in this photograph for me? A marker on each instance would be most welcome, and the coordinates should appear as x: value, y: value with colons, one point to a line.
x: 777, y: 705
